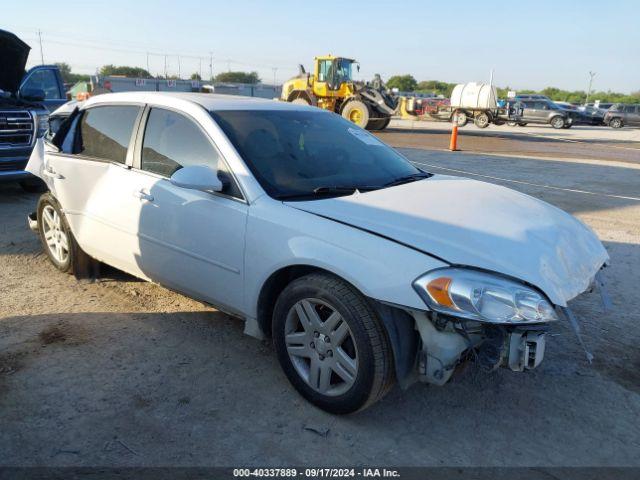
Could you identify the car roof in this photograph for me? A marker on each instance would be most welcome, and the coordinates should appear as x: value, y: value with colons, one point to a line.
x: 209, y: 101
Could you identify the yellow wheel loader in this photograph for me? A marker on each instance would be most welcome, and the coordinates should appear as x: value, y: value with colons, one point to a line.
x: 331, y: 87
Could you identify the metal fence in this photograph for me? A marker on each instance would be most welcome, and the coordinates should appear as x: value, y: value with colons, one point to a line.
x: 124, y: 84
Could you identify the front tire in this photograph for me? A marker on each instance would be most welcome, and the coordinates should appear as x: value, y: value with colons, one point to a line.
x: 356, y: 112
x: 557, y: 122
x: 331, y: 344
x: 378, y: 123
x: 460, y: 117
x: 55, y: 235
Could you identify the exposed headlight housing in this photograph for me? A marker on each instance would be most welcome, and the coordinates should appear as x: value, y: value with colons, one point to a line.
x: 42, y: 122
x: 483, y: 296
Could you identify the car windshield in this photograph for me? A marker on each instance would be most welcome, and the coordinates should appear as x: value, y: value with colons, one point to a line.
x: 312, y: 154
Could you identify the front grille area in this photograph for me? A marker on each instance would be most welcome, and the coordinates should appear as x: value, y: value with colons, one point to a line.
x: 12, y: 165
x: 16, y: 128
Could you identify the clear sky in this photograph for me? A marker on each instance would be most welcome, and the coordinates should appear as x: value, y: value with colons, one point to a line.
x: 529, y: 44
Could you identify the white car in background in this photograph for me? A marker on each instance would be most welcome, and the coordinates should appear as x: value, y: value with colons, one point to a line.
x: 362, y: 268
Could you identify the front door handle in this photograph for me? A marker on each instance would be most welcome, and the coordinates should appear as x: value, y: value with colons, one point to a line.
x: 142, y: 195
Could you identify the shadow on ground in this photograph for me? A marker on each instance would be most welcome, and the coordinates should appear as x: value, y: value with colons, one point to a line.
x: 188, y: 388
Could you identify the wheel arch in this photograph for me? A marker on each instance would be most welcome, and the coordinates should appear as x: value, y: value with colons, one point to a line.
x: 397, y: 323
x: 302, y: 94
x: 276, y: 283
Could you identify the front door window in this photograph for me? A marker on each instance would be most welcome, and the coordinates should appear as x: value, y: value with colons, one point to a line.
x: 45, y: 80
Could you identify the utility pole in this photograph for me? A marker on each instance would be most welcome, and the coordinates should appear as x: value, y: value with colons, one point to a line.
x: 591, y: 75
x: 148, y: 63
x: 211, y: 66
x: 165, y: 66
x: 275, y: 69
x: 41, y: 52
x: 228, y: 64
x: 200, y: 67
x: 179, y: 73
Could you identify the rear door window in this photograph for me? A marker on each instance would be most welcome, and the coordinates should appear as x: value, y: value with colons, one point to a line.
x: 105, y: 132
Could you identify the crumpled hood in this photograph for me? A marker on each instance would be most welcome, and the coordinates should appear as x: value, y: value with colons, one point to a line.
x: 13, y: 58
x: 472, y: 223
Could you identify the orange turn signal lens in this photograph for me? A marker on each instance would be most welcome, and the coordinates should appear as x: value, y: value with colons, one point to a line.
x: 439, y: 291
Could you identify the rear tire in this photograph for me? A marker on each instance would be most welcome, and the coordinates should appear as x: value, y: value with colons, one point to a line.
x: 301, y: 101
x: 55, y: 235
x: 356, y: 112
x: 322, y: 324
x: 482, y: 120
x: 615, y: 123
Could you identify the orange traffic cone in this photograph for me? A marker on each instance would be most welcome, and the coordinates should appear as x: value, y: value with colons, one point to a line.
x: 453, y: 142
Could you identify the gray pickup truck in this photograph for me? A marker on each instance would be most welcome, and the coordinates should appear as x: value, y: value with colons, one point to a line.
x: 25, y: 102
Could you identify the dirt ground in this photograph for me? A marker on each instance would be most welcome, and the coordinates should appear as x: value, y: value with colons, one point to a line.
x: 122, y: 372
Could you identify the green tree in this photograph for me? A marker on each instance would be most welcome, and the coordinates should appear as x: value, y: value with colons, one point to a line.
x: 68, y: 76
x: 437, y: 87
x: 196, y: 76
x: 126, y: 71
x: 404, y: 83
x: 238, y: 77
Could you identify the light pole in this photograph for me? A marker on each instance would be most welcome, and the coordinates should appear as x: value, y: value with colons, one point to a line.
x: 41, y: 51
x: 591, y: 75
x: 275, y: 69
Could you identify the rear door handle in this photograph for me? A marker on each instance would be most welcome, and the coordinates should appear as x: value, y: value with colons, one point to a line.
x: 51, y: 173
x: 142, y: 195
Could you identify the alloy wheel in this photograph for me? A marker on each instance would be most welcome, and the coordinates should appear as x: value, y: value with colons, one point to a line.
x: 54, y: 235
x: 321, y: 346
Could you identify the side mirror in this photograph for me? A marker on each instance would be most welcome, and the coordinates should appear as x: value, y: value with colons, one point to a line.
x: 33, y: 94
x: 197, y: 177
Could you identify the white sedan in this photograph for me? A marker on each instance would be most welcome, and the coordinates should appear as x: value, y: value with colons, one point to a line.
x: 363, y: 269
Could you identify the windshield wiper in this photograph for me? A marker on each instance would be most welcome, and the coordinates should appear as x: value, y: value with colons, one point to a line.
x: 343, y: 189
x: 328, y: 190
x: 408, y: 178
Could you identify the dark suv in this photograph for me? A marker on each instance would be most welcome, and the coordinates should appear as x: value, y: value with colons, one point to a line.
x: 620, y: 115
x: 544, y: 111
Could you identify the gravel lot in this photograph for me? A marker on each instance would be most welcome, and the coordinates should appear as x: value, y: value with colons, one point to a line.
x: 121, y: 372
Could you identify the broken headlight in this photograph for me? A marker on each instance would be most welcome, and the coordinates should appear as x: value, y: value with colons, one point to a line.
x: 482, y: 296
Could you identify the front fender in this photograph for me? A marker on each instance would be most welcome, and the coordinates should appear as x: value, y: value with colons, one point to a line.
x: 279, y: 236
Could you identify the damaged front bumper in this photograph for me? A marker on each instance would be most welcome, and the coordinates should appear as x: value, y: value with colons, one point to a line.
x: 447, y: 341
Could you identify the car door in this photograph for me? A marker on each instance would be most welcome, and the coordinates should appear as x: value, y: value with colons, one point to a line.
x: 188, y: 240
x: 48, y: 80
x: 632, y: 114
x: 528, y: 112
x: 88, y: 177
